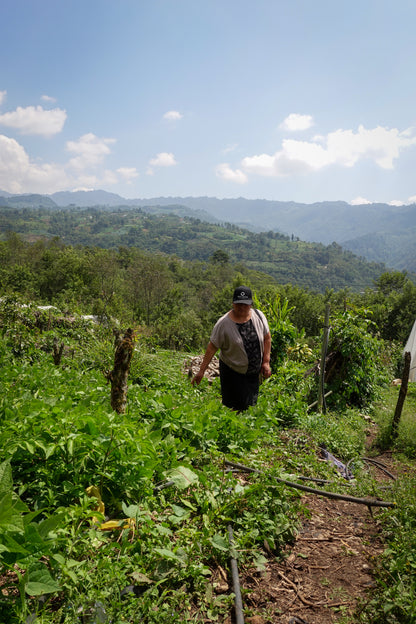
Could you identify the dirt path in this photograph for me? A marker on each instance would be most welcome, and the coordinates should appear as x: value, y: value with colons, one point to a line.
x: 327, y: 572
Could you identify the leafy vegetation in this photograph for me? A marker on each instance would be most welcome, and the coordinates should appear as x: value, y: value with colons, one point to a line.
x: 123, y: 517
x: 394, y: 598
x: 356, y: 368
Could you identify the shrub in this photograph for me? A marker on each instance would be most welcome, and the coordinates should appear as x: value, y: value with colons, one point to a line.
x: 355, y: 370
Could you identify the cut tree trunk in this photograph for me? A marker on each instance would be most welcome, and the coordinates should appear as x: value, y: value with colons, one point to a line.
x: 118, y: 376
x: 58, y: 349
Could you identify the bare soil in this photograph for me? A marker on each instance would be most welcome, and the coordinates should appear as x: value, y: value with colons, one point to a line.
x: 327, y: 573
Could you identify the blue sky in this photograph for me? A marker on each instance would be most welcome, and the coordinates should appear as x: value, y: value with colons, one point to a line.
x: 288, y: 100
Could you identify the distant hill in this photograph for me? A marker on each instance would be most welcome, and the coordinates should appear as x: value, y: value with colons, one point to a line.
x: 396, y: 248
x: 87, y: 198
x: 377, y: 232
x: 286, y: 259
x: 27, y: 201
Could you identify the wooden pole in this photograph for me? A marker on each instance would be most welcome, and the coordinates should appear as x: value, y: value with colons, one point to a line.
x: 402, y: 396
x: 323, y: 360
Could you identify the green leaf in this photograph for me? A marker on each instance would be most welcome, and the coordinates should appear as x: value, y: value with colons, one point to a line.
x: 6, y: 481
x: 10, y: 545
x: 140, y: 578
x: 188, y: 504
x: 220, y: 543
x: 38, y: 581
x: 49, y: 524
x: 10, y: 519
x: 182, y: 477
x: 167, y: 554
x: 260, y: 563
x: 49, y: 450
x: 131, y: 511
x: 179, y: 511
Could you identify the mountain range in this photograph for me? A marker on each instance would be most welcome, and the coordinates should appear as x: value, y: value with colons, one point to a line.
x: 378, y: 232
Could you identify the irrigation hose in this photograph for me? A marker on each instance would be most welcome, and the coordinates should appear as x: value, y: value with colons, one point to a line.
x: 238, y: 603
x: 163, y: 486
x: 380, y: 466
x: 370, y: 502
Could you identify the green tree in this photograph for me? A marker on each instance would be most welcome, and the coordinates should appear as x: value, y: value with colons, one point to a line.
x: 148, y: 281
x: 220, y: 257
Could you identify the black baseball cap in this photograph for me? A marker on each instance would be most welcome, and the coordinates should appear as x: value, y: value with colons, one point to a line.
x: 242, y: 294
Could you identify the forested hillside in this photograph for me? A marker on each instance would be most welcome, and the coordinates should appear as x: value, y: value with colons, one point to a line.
x: 397, y: 248
x: 286, y: 259
x: 378, y: 232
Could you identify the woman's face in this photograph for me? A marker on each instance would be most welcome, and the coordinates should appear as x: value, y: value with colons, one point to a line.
x: 241, y: 308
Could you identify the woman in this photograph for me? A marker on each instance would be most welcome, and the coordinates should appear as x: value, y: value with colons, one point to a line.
x: 244, y: 340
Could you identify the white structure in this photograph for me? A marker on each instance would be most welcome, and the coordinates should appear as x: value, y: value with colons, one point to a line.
x: 411, y: 346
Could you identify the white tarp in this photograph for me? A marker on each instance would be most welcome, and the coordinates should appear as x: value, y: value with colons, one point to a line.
x: 411, y: 346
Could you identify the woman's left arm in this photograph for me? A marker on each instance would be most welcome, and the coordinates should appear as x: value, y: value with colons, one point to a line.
x: 265, y: 365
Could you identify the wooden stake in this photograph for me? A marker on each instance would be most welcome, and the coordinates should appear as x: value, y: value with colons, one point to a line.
x: 323, y: 361
x: 402, y: 396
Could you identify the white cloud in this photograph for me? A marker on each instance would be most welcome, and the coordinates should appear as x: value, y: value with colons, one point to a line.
x: 48, y: 98
x: 35, y: 120
x: 412, y: 199
x: 225, y: 172
x: 163, y: 159
x: 230, y: 148
x: 295, y: 122
x: 342, y: 147
x: 18, y: 174
x: 294, y: 158
x: 396, y: 202
x: 2, y: 96
x: 90, y: 150
x: 379, y: 144
x: 128, y: 173
x: 360, y: 201
x: 172, y: 115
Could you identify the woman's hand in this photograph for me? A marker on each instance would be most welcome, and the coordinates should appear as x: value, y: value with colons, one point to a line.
x: 197, y: 379
x: 266, y: 370
x: 209, y: 354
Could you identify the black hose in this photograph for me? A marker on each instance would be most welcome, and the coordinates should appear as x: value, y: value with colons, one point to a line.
x: 370, y: 502
x: 238, y: 604
x: 163, y: 486
x: 380, y: 466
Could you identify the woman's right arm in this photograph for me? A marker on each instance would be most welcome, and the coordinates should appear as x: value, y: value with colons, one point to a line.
x: 209, y: 354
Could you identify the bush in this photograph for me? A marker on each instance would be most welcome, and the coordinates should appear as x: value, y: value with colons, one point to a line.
x: 355, y: 369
